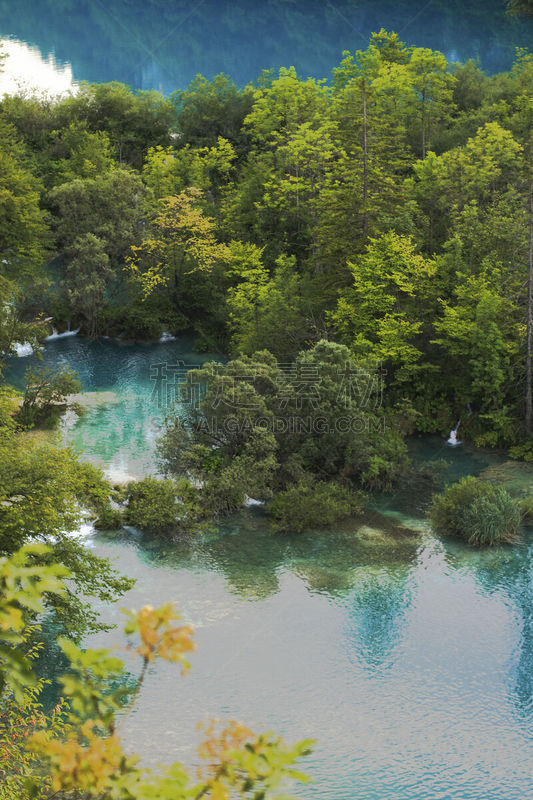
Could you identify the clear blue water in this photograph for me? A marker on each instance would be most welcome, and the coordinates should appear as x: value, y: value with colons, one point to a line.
x: 163, y: 44
x: 122, y: 415
x: 408, y: 659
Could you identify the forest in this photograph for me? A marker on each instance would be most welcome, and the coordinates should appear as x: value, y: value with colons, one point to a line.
x: 358, y: 250
x: 387, y: 209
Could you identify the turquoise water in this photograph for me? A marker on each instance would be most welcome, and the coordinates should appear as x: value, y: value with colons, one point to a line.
x: 408, y: 659
x: 163, y: 44
x: 122, y: 417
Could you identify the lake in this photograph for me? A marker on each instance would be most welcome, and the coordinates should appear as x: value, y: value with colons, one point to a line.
x: 407, y: 658
x: 163, y: 44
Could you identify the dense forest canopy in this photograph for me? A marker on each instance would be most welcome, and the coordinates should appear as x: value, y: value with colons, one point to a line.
x: 387, y: 209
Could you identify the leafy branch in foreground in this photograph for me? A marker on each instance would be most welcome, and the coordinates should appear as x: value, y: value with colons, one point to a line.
x: 78, y: 753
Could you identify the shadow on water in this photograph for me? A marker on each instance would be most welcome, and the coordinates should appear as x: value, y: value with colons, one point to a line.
x: 251, y: 557
x: 365, y: 568
x: 506, y: 573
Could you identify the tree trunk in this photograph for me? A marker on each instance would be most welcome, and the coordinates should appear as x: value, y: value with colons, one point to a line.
x: 423, y: 123
x: 365, y: 167
x: 529, y: 403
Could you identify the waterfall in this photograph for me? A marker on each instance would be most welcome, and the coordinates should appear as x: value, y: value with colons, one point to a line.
x: 23, y: 349
x: 452, y: 441
x: 56, y: 335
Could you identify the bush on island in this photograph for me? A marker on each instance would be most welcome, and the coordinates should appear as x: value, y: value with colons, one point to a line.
x: 313, y: 504
x: 477, y: 511
x: 163, y: 506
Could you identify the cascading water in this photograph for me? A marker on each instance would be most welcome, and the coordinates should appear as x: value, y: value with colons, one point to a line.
x: 167, y: 337
x: 22, y: 349
x: 56, y: 335
x: 453, y: 441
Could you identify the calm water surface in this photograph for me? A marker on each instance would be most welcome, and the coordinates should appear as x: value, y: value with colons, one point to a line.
x: 163, y: 44
x: 409, y: 660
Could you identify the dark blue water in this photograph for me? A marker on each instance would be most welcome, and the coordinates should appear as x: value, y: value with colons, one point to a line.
x: 162, y: 44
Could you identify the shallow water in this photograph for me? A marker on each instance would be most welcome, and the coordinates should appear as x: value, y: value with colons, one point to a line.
x: 122, y: 413
x: 409, y: 660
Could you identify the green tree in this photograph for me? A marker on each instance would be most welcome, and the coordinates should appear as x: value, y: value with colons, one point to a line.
x: 179, y: 261
x: 43, y: 493
x: 79, y: 153
x: 210, y: 110
x: 265, y: 311
x: 433, y: 83
x: 168, y: 171
x: 382, y: 316
x: 163, y: 507
x: 372, y: 92
x: 476, y: 334
x: 110, y: 207
x: 15, y: 326
x: 251, y: 428
x: 133, y: 121
x: 46, y: 391
x: 87, y: 276
x: 477, y: 172
x: 23, y: 231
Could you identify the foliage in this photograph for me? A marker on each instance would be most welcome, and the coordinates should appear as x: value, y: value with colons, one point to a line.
x: 46, y: 390
x: 163, y: 506
x: 384, y: 312
x: 265, y: 311
x: 110, y: 207
x: 43, y: 493
x: 19, y: 720
x: 23, y: 234
x: 24, y: 585
x: 386, y: 208
x: 313, y: 504
x: 520, y: 8
x: 479, y: 512
x: 250, y: 427
x: 208, y: 110
x: 15, y: 327
x: 78, y: 749
x: 86, y: 278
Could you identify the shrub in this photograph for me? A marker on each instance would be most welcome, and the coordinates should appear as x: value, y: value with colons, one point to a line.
x: 313, y: 504
x: 162, y: 506
x: 477, y: 511
x: 46, y: 395
x: 523, y: 451
x: 109, y: 519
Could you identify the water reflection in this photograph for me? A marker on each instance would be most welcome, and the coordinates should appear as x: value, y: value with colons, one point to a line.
x: 367, y: 570
x: 27, y: 72
x: 408, y: 658
x: 161, y: 45
x: 250, y: 556
x: 376, y: 617
x: 506, y: 573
